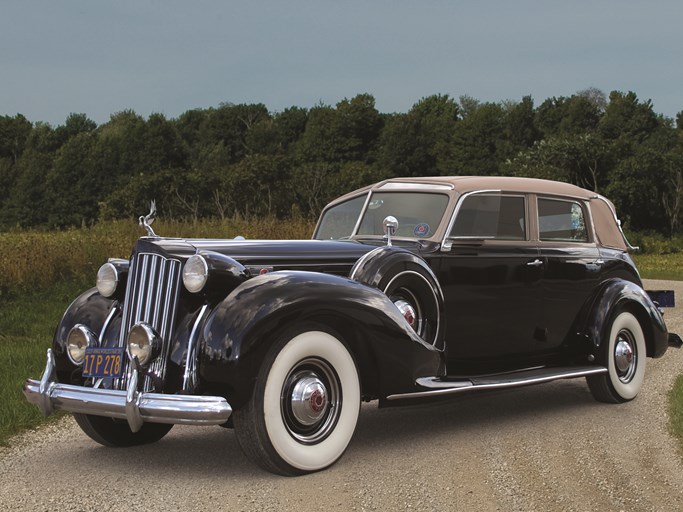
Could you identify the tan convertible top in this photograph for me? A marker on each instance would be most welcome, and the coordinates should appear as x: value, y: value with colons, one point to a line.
x: 465, y: 184
x: 604, y: 216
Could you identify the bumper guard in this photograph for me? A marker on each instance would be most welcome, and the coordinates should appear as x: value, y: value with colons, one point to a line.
x: 131, y: 405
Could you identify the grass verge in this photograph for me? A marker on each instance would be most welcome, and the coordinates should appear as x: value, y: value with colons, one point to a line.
x: 676, y: 410
x: 660, y: 266
x: 27, y: 325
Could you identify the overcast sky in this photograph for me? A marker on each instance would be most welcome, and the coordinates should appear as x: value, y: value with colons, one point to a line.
x: 101, y: 57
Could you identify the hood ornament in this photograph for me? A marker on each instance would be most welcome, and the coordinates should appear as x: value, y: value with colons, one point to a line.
x: 146, y: 220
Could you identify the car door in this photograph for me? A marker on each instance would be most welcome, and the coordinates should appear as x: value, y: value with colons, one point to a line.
x: 490, y: 272
x: 571, y: 264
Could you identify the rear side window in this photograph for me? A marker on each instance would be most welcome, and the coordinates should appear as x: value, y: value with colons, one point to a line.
x: 561, y: 220
x: 495, y: 216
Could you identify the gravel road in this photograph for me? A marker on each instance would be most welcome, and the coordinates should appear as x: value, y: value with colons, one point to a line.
x: 546, y: 448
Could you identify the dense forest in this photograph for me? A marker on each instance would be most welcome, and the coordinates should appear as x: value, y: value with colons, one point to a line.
x: 243, y: 160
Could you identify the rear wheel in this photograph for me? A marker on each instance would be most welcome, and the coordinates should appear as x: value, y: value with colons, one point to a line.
x: 304, y: 406
x: 625, y: 358
x: 117, y: 433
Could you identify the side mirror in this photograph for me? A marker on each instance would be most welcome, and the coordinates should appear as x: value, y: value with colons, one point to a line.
x: 390, y: 225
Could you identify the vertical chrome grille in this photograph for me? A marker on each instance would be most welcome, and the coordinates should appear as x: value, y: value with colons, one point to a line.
x: 151, y: 297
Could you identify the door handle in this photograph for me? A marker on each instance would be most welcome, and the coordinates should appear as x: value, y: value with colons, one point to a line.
x: 535, y: 263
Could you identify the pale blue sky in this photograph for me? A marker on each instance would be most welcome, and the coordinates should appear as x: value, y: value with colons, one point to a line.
x: 100, y: 57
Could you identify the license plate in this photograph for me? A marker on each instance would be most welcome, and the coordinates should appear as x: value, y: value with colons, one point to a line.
x: 103, y: 362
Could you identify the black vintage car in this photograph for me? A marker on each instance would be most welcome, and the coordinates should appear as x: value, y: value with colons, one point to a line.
x: 412, y: 289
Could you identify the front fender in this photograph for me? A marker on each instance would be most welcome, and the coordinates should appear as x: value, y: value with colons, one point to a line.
x: 616, y: 294
x: 91, y: 309
x: 241, y: 329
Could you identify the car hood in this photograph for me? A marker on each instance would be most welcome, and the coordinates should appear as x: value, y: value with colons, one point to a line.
x: 335, y: 257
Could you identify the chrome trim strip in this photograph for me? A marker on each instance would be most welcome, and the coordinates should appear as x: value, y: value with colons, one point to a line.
x: 447, y: 242
x: 414, y: 186
x: 127, y: 404
x: 438, y: 388
x: 151, y: 297
x: 114, y: 311
x: 360, y: 215
x: 190, y: 376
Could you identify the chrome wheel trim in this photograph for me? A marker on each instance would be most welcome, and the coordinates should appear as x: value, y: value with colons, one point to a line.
x: 625, y: 356
x: 311, y: 401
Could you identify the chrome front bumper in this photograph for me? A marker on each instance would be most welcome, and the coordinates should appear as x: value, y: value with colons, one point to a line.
x: 131, y: 405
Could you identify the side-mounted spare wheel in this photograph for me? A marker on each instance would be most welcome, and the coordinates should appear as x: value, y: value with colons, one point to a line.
x: 624, y: 353
x: 304, y: 407
x: 410, y: 284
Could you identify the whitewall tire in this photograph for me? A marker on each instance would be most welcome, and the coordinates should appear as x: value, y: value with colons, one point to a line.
x: 305, y: 405
x: 625, y: 358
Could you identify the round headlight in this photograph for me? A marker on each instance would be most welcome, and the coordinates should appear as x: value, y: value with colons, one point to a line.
x: 78, y: 339
x: 107, y: 280
x: 195, y: 273
x: 143, y: 343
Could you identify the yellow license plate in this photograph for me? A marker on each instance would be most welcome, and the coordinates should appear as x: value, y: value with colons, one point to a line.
x: 103, y: 362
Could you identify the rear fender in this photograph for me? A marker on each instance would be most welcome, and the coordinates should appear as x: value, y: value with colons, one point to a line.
x: 242, y: 328
x: 619, y: 294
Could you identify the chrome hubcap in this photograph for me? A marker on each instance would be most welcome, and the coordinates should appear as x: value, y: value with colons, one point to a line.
x: 408, y: 312
x: 409, y: 307
x: 625, y: 357
x: 309, y: 399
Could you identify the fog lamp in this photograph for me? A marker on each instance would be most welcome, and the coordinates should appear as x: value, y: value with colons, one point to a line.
x: 78, y: 339
x: 143, y: 343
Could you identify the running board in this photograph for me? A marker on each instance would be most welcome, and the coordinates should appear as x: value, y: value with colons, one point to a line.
x: 437, y: 386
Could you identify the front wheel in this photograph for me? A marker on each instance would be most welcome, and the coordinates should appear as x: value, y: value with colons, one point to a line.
x: 304, y: 407
x: 117, y: 433
x: 625, y: 354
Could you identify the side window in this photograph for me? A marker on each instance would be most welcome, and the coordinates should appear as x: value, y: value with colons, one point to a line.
x: 496, y: 216
x: 339, y: 221
x: 561, y: 220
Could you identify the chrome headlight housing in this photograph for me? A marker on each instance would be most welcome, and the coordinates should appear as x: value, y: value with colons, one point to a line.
x: 78, y: 339
x: 107, y: 280
x: 111, y: 275
x: 195, y: 273
x: 143, y: 343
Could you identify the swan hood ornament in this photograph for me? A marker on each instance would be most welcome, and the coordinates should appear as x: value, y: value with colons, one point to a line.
x: 146, y: 220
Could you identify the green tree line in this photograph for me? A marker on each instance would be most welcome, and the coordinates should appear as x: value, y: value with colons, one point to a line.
x: 243, y: 160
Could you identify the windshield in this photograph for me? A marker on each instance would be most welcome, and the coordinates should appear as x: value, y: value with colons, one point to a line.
x: 419, y: 215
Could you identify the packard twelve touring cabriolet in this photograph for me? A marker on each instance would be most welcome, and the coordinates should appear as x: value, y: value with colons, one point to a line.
x: 412, y: 289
